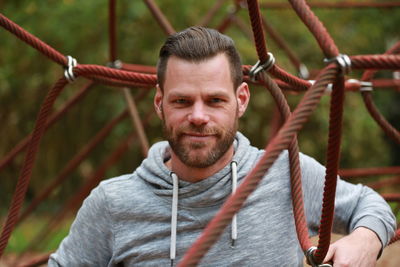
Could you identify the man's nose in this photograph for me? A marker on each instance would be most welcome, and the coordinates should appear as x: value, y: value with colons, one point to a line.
x: 198, y: 114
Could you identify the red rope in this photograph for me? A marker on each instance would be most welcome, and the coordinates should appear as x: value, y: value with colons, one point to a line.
x: 295, y: 171
x: 251, y: 181
x: 26, y: 172
x: 281, y: 43
x: 159, y: 16
x: 88, y: 70
x: 21, y: 146
x: 73, y: 164
x: 341, y: 4
x: 372, y: 109
x: 112, y: 31
x: 76, y: 200
x: 316, y: 27
x: 334, y: 140
x: 259, y: 39
x: 32, y: 40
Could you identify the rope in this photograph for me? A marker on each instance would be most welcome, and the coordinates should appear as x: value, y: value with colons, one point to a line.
x: 251, y: 181
x: 73, y: 164
x: 26, y: 172
x: 32, y: 40
x: 112, y: 32
x: 334, y: 140
x: 316, y: 28
x: 285, y: 137
x: 372, y: 109
x: 295, y: 171
x: 21, y: 146
x: 160, y: 18
x: 352, y: 173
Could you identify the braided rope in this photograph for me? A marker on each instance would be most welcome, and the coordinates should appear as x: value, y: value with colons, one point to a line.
x: 21, y: 146
x: 372, y: 109
x: 334, y: 140
x: 295, y: 171
x: 251, y: 181
x: 26, y: 172
x: 256, y: 25
x: 284, y: 138
x: 316, y: 28
x: 73, y: 164
x: 32, y: 40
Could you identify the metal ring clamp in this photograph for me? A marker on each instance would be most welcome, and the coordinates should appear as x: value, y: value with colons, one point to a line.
x: 260, y: 67
x: 117, y: 64
x: 311, y: 260
x: 343, y: 61
x: 68, y: 72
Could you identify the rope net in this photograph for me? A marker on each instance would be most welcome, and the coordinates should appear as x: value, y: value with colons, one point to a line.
x: 127, y: 75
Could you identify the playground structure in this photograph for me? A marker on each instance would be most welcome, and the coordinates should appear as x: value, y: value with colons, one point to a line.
x: 126, y: 75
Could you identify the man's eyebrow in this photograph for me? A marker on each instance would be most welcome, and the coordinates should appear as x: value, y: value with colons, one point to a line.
x: 218, y: 94
x: 177, y: 94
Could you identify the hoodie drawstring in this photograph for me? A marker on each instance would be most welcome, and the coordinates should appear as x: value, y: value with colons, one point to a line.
x: 174, y: 217
x: 234, y: 186
x: 174, y: 212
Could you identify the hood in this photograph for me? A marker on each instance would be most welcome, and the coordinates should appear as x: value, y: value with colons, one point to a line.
x: 208, y: 192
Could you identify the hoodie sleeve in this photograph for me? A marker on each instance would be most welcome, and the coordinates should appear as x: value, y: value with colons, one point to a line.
x: 90, y: 240
x: 355, y: 205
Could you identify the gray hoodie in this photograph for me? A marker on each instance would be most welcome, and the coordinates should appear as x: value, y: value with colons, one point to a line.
x: 127, y: 220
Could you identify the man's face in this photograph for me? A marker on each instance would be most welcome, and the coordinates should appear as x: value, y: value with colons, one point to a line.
x: 200, y: 109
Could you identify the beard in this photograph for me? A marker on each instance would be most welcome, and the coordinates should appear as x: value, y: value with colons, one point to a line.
x: 201, y: 154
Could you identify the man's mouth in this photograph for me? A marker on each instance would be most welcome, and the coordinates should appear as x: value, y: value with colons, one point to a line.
x: 198, y: 137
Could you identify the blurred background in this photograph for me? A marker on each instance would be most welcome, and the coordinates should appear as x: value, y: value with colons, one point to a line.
x: 80, y: 29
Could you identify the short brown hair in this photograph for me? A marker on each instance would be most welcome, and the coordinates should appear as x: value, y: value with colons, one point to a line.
x: 197, y: 44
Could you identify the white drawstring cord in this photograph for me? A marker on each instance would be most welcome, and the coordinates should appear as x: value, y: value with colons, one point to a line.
x: 174, y: 212
x: 234, y: 186
x: 174, y: 216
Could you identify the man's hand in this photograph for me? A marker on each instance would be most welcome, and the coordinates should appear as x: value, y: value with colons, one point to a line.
x: 360, y: 248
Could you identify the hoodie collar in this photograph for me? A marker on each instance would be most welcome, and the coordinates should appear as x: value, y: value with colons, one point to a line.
x: 208, y: 192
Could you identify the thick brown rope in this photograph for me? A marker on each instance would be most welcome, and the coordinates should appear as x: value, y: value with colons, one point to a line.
x: 316, y: 28
x: 21, y: 146
x: 295, y: 171
x: 32, y: 40
x: 73, y: 164
x: 26, y: 172
x: 332, y: 166
x: 233, y: 204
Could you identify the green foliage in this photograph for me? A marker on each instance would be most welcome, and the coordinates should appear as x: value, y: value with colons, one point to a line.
x: 80, y: 29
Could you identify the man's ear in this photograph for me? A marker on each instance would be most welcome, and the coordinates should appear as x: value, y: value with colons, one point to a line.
x: 243, y: 98
x: 158, y: 101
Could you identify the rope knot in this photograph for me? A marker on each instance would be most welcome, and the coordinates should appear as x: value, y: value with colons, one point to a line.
x: 68, y: 72
x: 343, y: 62
x: 261, y: 66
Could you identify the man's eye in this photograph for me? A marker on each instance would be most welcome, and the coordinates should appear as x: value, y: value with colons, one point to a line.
x: 180, y: 101
x: 216, y: 100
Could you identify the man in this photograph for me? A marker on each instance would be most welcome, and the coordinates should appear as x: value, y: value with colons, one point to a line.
x: 151, y: 217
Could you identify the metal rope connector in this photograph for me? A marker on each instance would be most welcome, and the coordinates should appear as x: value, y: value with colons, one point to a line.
x: 328, y: 89
x: 364, y: 86
x: 117, y: 64
x: 68, y: 72
x: 311, y: 260
x: 343, y: 61
x: 260, y: 67
x: 303, y: 71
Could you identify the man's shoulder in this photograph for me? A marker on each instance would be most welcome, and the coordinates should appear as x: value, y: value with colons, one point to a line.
x: 118, y: 185
x: 117, y: 180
